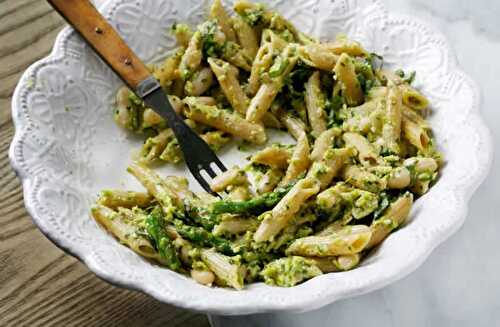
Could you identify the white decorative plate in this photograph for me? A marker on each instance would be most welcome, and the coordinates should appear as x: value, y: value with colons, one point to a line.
x: 66, y: 148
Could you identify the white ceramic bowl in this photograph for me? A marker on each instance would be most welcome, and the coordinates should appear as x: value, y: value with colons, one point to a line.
x: 66, y: 148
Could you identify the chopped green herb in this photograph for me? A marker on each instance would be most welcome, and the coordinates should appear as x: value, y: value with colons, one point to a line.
x: 278, y: 67
x: 253, y: 17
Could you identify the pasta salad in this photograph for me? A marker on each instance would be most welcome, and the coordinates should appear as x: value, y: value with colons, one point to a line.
x: 363, y: 152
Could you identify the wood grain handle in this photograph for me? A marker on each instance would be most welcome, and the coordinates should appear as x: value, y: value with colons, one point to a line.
x: 94, y: 28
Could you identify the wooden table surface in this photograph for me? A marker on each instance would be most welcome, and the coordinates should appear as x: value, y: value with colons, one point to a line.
x: 39, y: 284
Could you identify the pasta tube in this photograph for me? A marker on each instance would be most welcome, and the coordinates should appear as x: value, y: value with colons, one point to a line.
x: 218, y: 13
x: 363, y: 179
x: 346, y: 75
x: 318, y: 56
x: 156, y: 186
x: 275, y: 156
x: 224, y: 120
x: 315, y: 104
x: 191, y: 59
x: 234, y: 176
x: 199, y: 83
x: 300, y: 161
x: 262, y: 101
x: 347, y: 241
x: 323, y: 143
x: 114, y: 199
x: 335, y: 264
x: 414, y: 99
x: 325, y: 170
x: 124, y: 232
x: 367, y: 153
x: 227, y: 75
x: 223, y: 267
x: 285, y: 210
x: 396, y: 214
x: 247, y: 37
x: 392, y: 129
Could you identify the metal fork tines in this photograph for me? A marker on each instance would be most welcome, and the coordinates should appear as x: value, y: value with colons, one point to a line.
x: 198, y: 155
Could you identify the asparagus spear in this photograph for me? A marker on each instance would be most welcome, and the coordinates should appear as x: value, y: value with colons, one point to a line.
x: 254, y: 206
x: 160, y: 239
x: 201, y: 237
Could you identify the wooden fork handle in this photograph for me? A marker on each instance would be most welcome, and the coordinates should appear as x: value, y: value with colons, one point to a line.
x: 101, y: 36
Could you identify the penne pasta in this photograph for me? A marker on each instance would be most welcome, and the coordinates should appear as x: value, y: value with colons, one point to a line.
x: 347, y: 241
x: 182, y: 34
x: 234, y: 54
x: 199, y: 83
x: 299, y: 162
x: 415, y: 134
x: 367, y: 154
x: 225, y: 121
x: 334, y: 264
x: 235, y: 225
x: 396, y: 214
x: 415, y: 117
x: 294, y: 125
x: 345, y: 74
x: 329, y: 167
x: 166, y: 197
x: 315, y: 103
x: 192, y: 57
x: 285, y: 210
x: 257, y: 15
x: 154, y: 146
x: 168, y: 71
x: 261, y: 64
x: 224, y: 268
x: 218, y: 13
x: 324, y: 142
x: 114, y: 199
x: 331, y: 228
x: 423, y: 173
x: 271, y: 121
x: 269, y: 180
x: 216, y: 140
x: 262, y: 101
x: 274, y: 156
x: 343, y: 45
x: 363, y: 179
x: 239, y: 193
x: 180, y: 186
x: 318, y: 56
x: 247, y: 37
x: 227, y: 75
x: 124, y: 232
x: 414, y: 99
x: 232, y: 177
x: 392, y: 129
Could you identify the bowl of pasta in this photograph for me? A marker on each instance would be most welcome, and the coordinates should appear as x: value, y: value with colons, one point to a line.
x: 354, y: 142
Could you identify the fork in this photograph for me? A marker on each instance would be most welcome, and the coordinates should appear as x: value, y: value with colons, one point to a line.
x: 106, y: 42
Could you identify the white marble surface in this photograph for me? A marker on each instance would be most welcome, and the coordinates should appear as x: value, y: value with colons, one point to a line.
x: 459, y: 285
